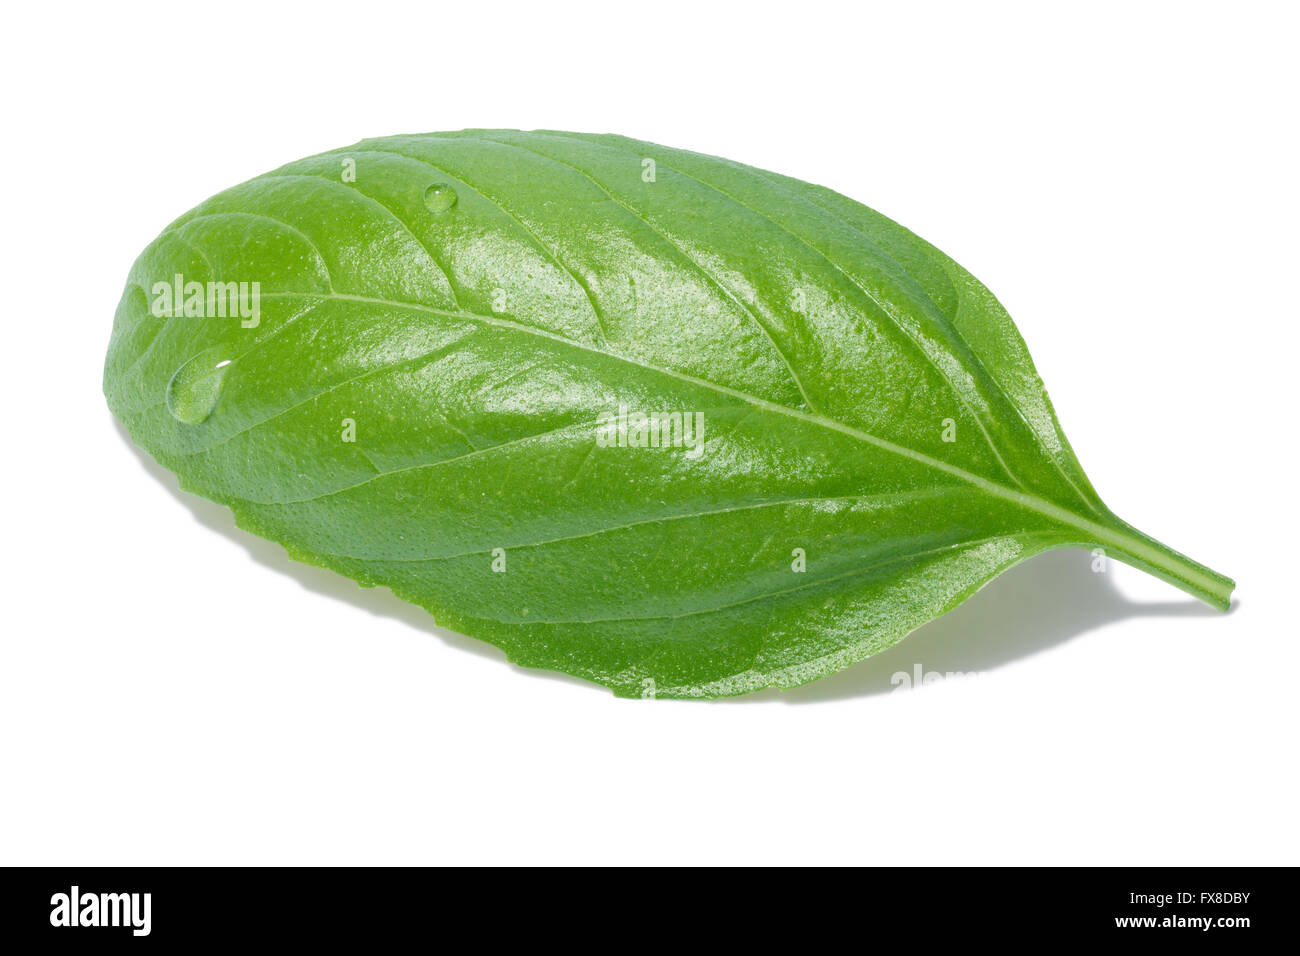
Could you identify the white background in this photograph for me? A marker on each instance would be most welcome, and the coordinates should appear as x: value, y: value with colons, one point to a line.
x: 1123, y: 177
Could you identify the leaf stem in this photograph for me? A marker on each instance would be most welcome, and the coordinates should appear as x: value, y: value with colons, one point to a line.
x: 1131, y: 546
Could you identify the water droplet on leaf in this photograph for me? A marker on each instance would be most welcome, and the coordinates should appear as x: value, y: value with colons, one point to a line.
x: 439, y: 197
x: 193, y: 391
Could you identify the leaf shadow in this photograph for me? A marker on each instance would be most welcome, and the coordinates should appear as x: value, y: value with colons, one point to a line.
x: 379, y: 601
x: 1046, y: 601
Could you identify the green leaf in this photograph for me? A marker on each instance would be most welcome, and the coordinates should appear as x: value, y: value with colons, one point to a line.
x: 435, y: 383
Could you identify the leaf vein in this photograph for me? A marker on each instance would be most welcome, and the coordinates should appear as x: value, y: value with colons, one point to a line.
x: 537, y: 240
x: 691, y: 260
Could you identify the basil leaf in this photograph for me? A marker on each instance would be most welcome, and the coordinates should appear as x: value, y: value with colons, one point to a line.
x: 657, y: 419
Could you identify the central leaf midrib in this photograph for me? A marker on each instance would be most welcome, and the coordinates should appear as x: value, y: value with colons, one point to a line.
x: 1031, y: 502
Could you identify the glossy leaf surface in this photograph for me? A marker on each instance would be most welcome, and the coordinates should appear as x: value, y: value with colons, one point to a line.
x: 438, y: 390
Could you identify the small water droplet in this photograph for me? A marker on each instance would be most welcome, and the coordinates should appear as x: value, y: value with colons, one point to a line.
x: 439, y: 197
x: 193, y: 391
